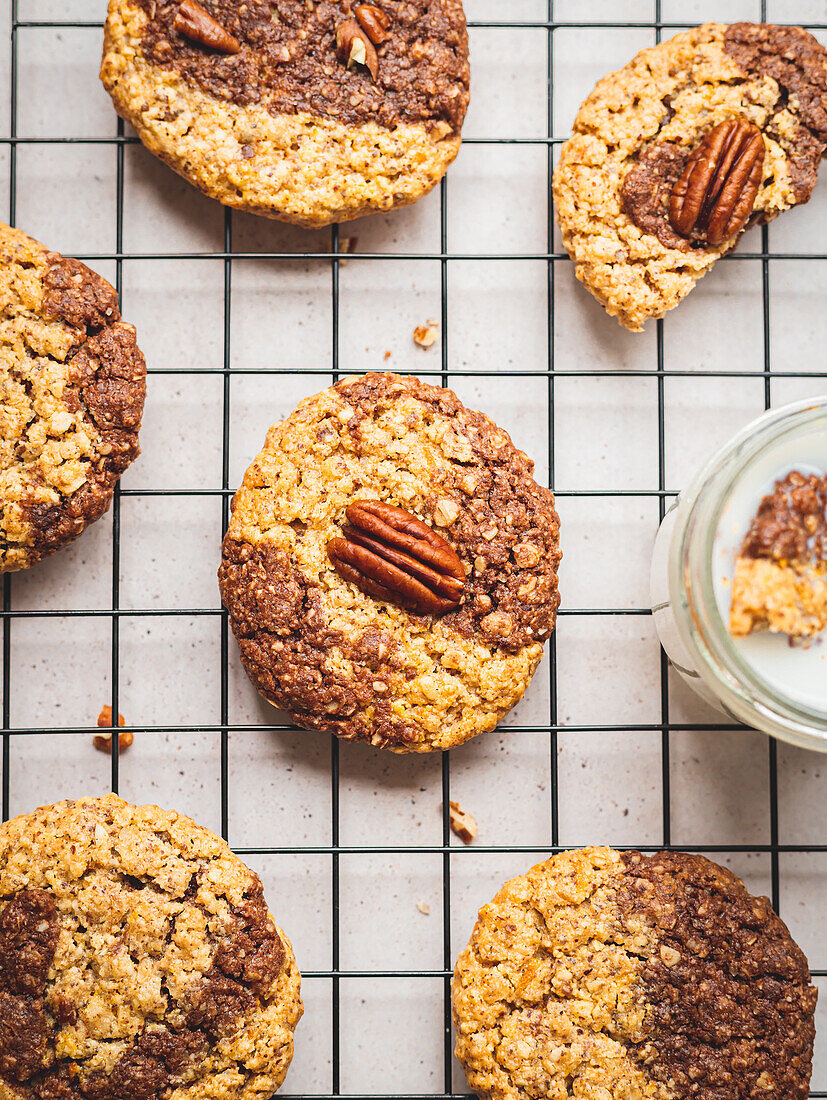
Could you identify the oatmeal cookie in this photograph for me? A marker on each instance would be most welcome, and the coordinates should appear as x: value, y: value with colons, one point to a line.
x: 73, y: 383
x: 780, y: 581
x: 359, y: 655
x: 138, y: 961
x: 635, y: 134
x: 311, y: 111
x: 608, y: 974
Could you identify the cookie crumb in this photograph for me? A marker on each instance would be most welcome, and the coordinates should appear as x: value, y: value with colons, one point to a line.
x: 387, y: 355
x: 347, y: 246
x: 425, y: 335
x: 423, y: 907
x: 462, y: 823
x: 104, y: 743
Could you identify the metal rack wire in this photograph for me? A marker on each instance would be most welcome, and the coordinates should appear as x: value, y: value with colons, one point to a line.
x: 222, y: 728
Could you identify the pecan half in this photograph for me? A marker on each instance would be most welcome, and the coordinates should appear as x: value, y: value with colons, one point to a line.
x: 355, y: 48
x: 716, y: 192
x: 390, y: 554
x: 198, y: 25
x: 374, y: 22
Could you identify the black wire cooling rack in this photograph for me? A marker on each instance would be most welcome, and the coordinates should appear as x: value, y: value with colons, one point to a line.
x: 663, y: 494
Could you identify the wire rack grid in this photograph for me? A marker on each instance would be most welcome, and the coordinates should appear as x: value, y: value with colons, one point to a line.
x: 677, y: 767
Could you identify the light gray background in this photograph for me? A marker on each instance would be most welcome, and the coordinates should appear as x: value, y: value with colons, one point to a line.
x: 606, y: 434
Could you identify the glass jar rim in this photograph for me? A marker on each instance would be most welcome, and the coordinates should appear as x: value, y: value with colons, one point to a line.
x: 741, y: 688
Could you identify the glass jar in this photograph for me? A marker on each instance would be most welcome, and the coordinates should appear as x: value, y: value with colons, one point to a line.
x: 690, y: 607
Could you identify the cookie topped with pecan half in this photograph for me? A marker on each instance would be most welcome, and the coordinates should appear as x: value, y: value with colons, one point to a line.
x: 138, y: 960
x: 675, y: 155
x: 390, y: 568
x: 311, y: 111
x: 72, y: 387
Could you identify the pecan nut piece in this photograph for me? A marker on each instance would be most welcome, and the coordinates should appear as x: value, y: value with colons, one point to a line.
x: 374, y: 22
x: 355, y: 48
x: 198, y: 25
x: 104, y: 743
x: 391, y: 555
x: 716, y: 192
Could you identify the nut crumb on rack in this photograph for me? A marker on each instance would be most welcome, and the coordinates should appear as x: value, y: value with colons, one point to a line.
x: 347, y: 246
x: 424, y: 908
x: 104, y: 742
x: 425, y: 335
x: 462, y: 823
x: 105, y: 717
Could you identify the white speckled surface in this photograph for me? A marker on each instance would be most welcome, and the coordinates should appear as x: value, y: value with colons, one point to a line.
x: 606, y: 436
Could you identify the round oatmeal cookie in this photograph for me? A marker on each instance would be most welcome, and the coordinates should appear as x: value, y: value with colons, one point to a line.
x: 73, y: 383
x: 382, y: 469
x: 138, y: 961
x: 633, y: 140
x: 311, y: 111
x: 603, y: 974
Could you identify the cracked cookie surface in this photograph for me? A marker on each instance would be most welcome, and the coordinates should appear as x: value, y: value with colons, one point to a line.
x: 283, y: 127
x: 633, y: 135
x: 340, y: 660
x: 138, y: 961
x: 73, y: 383
x: 614, y: 974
